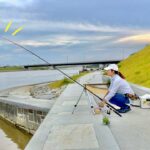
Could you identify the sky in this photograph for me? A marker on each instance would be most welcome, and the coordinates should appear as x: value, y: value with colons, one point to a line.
x: 73, y: 31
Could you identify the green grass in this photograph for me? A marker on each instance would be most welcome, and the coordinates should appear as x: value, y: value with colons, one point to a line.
x: 19, y: 68
x: 11, y: 68
x: 65, y: 81
x: 106, y: 120
x: 136, y: 67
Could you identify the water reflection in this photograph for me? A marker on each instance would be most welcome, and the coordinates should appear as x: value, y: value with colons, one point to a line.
x: 11, y: 137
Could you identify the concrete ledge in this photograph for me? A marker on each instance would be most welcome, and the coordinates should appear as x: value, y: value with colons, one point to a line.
x: 35, y: 104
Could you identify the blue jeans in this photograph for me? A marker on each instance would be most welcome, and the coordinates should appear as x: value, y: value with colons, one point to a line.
x: 120, y: 100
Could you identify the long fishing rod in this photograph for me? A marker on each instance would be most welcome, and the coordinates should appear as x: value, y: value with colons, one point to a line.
x: 108, y: 105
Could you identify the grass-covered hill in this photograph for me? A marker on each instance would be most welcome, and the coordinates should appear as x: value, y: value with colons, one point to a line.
x: 136, y: 67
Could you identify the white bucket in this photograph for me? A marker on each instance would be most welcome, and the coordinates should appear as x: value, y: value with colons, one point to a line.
x: 145, y: 101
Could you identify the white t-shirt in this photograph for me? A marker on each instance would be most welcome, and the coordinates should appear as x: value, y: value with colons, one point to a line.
x: 118, y: 85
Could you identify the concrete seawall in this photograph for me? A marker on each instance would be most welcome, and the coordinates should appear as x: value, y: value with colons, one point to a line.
x: 27, y: 119
x: 23, y: 110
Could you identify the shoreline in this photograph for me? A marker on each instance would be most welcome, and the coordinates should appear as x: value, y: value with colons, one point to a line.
x: 23, y: 94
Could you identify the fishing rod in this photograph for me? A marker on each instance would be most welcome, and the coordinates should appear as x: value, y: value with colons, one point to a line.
x: 18, y: 45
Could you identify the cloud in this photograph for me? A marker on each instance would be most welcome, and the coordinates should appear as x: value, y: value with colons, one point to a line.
x: 57, y: 41
x: 33, y: 43
x: 142, y: 38
x: 19, y: 3
x: 62, y: 40
x: 41, y: 25
x: 102, y: 30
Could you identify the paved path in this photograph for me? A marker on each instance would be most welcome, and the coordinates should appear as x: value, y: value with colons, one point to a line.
x: 82, y: 130
x: 132, y: 131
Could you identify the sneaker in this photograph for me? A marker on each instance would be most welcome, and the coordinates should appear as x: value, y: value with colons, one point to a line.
x: 124, y: 110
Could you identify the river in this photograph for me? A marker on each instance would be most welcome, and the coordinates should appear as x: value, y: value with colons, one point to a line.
x: 12, y: 138
x: 12, y: 79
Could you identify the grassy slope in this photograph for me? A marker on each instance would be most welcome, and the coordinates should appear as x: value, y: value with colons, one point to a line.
x: 65, y: 81
x: 136, y: 68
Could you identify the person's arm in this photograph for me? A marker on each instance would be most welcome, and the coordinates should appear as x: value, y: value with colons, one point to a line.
x: 105, y: 95
x: 102, y: 103
x: 112, y: 91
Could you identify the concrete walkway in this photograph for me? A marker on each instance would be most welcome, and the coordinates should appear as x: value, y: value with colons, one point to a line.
x: 132, y: 131
x: 82, y: 130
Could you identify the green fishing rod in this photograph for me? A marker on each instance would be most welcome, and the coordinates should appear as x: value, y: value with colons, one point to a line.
x: 18, y: 45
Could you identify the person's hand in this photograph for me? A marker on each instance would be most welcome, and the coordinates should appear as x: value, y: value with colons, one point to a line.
x: 102, y: 104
